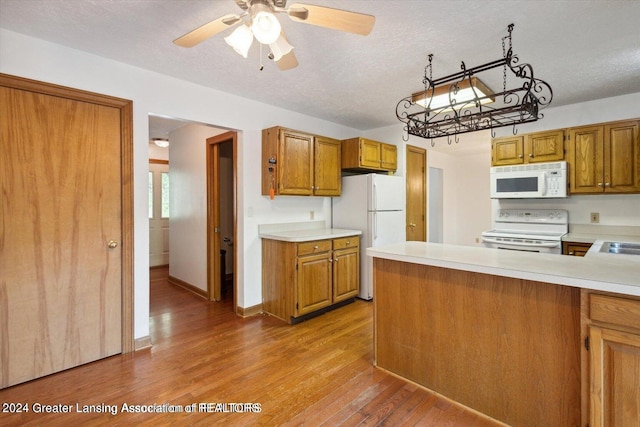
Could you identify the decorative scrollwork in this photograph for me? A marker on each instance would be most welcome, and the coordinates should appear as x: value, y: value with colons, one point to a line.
x: 520, y: 103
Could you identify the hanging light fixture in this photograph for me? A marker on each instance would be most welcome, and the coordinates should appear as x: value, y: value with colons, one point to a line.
x: 240, y: 40
x: 161, y: 142
x: 461, y: 103
x: 264, y: 24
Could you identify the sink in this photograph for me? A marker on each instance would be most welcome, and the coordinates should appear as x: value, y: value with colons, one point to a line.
x: 621, y: 248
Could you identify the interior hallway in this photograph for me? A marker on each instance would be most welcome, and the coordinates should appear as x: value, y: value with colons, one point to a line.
x: 317, y: 372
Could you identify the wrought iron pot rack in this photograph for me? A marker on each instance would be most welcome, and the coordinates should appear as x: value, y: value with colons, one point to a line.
x: 512, y: 106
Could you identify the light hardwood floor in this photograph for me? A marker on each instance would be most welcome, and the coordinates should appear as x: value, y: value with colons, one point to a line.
x: 318, y: 372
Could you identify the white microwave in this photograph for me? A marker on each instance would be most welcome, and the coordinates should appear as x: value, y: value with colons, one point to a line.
x: 530, y: 181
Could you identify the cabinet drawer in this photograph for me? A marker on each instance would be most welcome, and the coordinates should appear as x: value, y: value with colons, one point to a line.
x: 617, y: 311
x: 315, y: 247
x: 346, y: 242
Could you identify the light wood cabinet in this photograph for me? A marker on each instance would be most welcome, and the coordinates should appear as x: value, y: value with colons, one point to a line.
x: 303, y: 279
x: 614, y: 360
x: 366, y: 154
x: 299, y: 164
x: 604, y: 158
x: 531, y: 148
x: 575, y: 248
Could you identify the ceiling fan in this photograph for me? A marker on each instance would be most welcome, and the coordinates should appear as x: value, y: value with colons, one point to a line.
x: 262, y: 24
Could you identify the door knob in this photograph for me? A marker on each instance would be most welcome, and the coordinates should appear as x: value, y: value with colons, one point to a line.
x: 112, y: 244
x: 412, y: 225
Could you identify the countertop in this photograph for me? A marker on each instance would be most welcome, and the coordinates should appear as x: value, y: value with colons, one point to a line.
x: 597, y: 271
x: 303, y: 231
x: 310, y: 234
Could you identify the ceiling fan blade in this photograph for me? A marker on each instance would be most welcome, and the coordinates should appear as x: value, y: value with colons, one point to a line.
x: 287, y: 62
x: 207, y: 30
x: 337, y: 19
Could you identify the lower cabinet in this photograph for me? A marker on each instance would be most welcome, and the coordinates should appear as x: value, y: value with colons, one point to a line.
x: 307, y: 278
x: 575, y: 248
x: 614, y: 360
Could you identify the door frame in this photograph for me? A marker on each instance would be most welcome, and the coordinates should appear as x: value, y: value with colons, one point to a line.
x: 214, y: 285
x: 125, y: 107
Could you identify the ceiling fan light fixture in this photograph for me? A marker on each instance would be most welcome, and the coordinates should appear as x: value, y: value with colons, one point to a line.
x: 240, y: 40
x: 264, y: 24
x: 280, y: 48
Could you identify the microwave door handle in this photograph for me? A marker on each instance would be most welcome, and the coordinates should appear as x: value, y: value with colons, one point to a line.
x: 544, y: 184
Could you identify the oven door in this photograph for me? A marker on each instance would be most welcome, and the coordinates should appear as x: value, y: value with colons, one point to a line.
x: 549, y: 247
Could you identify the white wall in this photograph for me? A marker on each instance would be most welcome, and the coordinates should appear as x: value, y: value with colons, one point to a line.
x: 188, y: 186
x: 152, y: 92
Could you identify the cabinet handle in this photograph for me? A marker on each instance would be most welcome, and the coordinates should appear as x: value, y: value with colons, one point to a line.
x: 530, y: 155
x: 599, y: 184
x: 607, y: 184
x: 330, y: 260
x: 315, y: 247
x: 348, y: 242
x: 520, y: 156
x: 335, y: 259
x: 570, y: 252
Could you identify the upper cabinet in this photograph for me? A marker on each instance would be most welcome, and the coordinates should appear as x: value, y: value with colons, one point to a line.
x: 604, y: 158
x: 299, y: 164
x: 366, y: 154
x: 532, y: 148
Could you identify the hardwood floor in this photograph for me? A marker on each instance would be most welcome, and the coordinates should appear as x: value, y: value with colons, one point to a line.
x: 318, y: 372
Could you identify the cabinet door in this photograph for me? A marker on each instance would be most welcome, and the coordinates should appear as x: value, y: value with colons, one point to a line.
x: 615, y: 378
x: 621, y: 158
x: 575, y: 248
x: 313, y: 287
x: 544, y: 147
x: 369, y: 154
x: 327, y: 153
x: 346, y: 274
x: 388, y: 156
x: 585, y: 159
x: 507, y: 151
x: 295, y: 163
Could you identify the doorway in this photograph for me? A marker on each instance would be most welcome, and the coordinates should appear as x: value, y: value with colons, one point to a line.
x: 221, y: 216
x: 416, y: 193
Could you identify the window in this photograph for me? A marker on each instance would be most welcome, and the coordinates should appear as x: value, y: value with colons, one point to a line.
x: 165, y: 195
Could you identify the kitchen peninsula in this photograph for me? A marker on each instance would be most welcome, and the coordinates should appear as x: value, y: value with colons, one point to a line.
x: 504, y: 332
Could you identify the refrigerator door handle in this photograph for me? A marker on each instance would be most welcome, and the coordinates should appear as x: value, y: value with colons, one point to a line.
x: 375, y: 197
x: 375, y: 226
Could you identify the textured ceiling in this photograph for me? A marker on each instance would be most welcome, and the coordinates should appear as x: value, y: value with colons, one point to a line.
x: 584, y: 49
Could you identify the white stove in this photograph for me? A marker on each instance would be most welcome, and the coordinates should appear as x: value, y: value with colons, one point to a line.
x: 534, y: 230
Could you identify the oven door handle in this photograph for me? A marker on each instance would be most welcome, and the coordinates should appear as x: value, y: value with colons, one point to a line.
x: 539, y: 245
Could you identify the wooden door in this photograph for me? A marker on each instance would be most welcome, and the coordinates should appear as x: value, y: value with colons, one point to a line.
x: 615, y: 378
x: 326, y: 165
x: 61, y: 240
x: 507, y: 151
x: 622, y: 157
x: 158, y: 212
x: 544, y: 147
x: 346, y: 274
x: 585, y: 159
x: 416, y: 193
x: 295, y: 168
x: 313, y: 283
x: 369, y: 154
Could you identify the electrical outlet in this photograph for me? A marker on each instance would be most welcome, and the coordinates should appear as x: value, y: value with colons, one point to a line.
x: 595, y: 217
x: 312, y: 215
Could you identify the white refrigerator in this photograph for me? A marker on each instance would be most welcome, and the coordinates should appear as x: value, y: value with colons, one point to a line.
x: 375, y: 204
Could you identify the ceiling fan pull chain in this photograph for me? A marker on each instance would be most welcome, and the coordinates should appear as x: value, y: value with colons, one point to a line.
x: 261, y: 66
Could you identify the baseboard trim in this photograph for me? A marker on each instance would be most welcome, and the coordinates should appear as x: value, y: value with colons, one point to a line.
x: 249, y: 311
x: 142, y: 343
x: 188, y: 286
